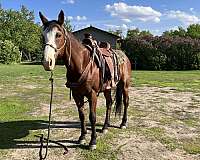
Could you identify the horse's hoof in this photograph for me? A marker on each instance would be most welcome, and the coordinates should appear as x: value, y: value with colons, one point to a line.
x: 82, y: 142
x: 104, y: 131
x: 93, y: 147
x: 123, y: 127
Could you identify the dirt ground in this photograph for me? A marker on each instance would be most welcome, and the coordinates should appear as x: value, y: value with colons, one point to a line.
x: 163, y: 124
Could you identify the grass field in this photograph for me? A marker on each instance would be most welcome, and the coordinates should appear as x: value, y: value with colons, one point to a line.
x: 163, y: 116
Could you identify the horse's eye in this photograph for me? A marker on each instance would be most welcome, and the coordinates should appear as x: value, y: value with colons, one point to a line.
x: 58, y: 35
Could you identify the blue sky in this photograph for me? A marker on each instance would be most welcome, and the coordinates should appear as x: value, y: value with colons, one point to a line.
x: 154, y: 15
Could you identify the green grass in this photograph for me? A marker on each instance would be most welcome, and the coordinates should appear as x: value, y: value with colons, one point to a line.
x: 180, y: 80
x: 24, y: 87
x: 192, y: 146
x: 12, y: 109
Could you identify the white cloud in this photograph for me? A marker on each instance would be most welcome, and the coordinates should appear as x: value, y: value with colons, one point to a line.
x: 132, y: 27
x: 124, y: 11
x: 68, y: 1
x: 124, y: 27
x: 70, y: 18
x: 113, y: 27
x: 126, y: 20
x: 81, y: 18
x: 173, y: 28
x: 191, y: 9
x: 77, y: 18
x: 183, y: 17
x: 156, y: 32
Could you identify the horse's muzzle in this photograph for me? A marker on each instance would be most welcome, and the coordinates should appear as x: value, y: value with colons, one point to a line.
x: 48, y: 65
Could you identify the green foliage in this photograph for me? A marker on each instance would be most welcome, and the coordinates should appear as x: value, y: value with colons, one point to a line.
x: 172, y: 51
x: 137, y: 33
x: 194, y: 31
x: 68, y: 26
x: 180, y: 32
x: 19, y: 28
x: 9, y: 53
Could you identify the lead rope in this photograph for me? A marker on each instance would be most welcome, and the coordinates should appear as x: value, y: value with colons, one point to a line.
x: 49, y: 125
x: 42, y: 139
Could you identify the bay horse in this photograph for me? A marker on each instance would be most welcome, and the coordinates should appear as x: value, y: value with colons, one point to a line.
x: 83, y: 75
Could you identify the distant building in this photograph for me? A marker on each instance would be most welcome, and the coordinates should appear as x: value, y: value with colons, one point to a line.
x: 99, y: 35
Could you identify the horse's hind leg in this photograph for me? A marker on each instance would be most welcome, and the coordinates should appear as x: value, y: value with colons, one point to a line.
x: 108, y: 97
x: 126, y: 103
x: 80, y: 104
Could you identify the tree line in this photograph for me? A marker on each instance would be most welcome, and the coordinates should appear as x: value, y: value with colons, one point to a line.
x: 20, y: 37
x: 174, y: 50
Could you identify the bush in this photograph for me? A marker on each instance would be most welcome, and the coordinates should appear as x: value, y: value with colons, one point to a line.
x: 163, y: 53
x: 9, y: 53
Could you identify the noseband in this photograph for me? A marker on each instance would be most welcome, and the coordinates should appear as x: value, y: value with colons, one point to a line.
x: 58, y: 49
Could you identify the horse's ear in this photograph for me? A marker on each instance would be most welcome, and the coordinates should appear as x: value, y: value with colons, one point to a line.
x: 61, y: 17
x: 43, y: 18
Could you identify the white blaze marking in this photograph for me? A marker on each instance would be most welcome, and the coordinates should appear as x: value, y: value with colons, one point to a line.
x: 49, y: 36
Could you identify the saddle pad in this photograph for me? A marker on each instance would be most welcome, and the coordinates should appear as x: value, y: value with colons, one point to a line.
x: 121, y: 56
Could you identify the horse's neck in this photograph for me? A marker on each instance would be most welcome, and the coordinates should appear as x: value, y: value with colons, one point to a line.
x: 78, y: 60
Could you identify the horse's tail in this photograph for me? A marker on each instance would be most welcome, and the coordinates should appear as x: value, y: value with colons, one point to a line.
x: 118, y: 98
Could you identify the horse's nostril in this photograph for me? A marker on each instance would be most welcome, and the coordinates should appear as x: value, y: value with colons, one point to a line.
x: 50, y: 63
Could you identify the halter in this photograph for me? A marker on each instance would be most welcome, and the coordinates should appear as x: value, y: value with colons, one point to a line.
x: 58, y: 49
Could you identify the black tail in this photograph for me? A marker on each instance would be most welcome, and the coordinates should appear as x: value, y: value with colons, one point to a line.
x: 118, y: 98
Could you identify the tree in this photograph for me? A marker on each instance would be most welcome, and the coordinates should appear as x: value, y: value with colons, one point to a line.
x: 19, y: 28
x: 132, y: 33
x: 181, y: 32
x: 9, y: 53
x: 164, y: 52
x: 137, y: 33
x: 145, y: 33
x: 68, y: 26
x: 194, y: 31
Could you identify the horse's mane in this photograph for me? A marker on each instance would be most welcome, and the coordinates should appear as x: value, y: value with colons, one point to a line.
x: 74, y: 39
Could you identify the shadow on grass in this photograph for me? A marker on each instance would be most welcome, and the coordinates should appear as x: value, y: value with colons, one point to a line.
x: 11, y: 132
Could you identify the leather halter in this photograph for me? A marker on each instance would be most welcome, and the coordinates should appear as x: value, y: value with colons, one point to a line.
x: 56, y: 49
x: 65, y: 40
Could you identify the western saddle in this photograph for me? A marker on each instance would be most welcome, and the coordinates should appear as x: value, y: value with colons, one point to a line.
x: 105, y: 59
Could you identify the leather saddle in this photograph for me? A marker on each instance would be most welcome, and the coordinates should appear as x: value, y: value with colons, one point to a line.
x: 105, y: 59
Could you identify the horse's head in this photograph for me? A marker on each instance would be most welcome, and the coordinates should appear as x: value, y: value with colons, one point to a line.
x: 54, y: 40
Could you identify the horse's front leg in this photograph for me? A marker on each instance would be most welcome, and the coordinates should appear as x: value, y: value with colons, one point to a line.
x: 93, y: 102
x: 80, y: 104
